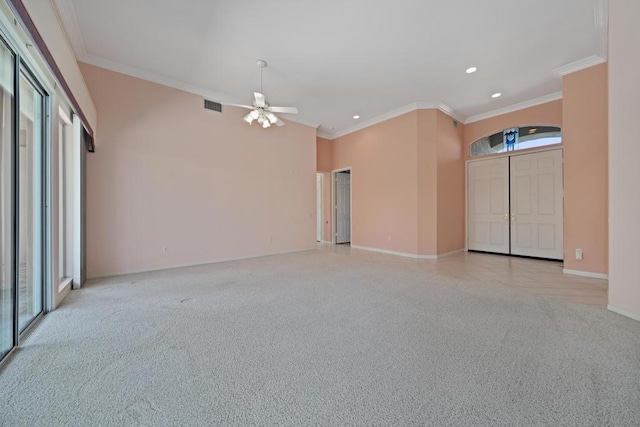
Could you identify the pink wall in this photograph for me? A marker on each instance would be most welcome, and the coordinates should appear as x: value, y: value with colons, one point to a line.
x: 407, y: 183
x: 441, y: 210
x: 549, y: 113
x: 383, y: 183
x: 427, y: 159
x: 451, y: 184
x: 585, y: 135
x: 624, y: 152
x: 324, y: 155
x: 207, y: 185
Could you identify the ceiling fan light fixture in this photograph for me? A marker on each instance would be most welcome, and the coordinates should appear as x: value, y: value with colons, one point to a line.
x: 261, y: 110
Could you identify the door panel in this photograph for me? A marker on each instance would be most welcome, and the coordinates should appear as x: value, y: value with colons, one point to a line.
x: 7, y: 302
x: 30, y: 215
x: 536, y: 204
x: 488, y: 214
x: 521, y: 197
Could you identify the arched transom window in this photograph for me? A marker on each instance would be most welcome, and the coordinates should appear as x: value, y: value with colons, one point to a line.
x: 520, y: 138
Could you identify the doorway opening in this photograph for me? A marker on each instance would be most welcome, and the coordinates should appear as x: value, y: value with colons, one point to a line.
x: 341, y: 206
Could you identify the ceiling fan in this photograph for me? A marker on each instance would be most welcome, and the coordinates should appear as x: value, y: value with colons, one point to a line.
x: 262, y: 111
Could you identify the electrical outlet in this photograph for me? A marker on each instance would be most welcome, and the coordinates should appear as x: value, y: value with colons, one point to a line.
x: 389, y: 238
x: 579, y: 254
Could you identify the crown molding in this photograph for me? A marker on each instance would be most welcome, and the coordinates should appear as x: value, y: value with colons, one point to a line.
x: 67, y: 16
x: 578, y: 65
x: 374, y: 121
x: 451, y: 112
x: 445, y: 109
x: 601, y: 44
x: 325, y: 135
x: 101, y: 62
x: 515, y: 107
x: 421, y: 105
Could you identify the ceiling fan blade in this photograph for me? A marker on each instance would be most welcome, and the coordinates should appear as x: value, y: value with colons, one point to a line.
x: 249, y: 107
x: 260, y: 99
x: 279, y: 123
x: 285, y: 110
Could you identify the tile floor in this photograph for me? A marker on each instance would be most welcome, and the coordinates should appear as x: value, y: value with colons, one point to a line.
x: 533, y: 276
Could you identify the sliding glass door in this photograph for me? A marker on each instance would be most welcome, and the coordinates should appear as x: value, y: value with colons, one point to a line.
x: 7, y: 295
x: 30, y: 208
x: 22, y: 205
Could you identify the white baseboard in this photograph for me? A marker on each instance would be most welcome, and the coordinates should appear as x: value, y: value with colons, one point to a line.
x: 623, y: 312
x: 446, y: 254
x: 586, y: 274
x: 384, y: 251
x: 172, y: 267
x: 405, y: 254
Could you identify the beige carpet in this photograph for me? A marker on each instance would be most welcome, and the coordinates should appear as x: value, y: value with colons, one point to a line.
x: 319, y: 338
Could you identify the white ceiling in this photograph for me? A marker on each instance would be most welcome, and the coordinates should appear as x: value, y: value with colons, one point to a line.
x: 337, y: 58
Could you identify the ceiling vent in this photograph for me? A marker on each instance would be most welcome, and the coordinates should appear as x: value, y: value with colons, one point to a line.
x: 211, y: 105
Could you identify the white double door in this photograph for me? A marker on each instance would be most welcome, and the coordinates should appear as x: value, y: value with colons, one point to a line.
x: 515, y: 205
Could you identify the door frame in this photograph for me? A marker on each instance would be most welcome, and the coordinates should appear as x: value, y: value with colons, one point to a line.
x: 495, y: 156
x: 320, y: 179
x: 334, y: 195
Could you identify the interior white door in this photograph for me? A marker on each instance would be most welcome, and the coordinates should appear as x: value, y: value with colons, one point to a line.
x: 319, y: 207
x: 488, y: 205
x: 343, y: 207
x: 536, y: 204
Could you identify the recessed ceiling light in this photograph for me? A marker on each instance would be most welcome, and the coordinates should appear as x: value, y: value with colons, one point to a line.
x: 472, y: 70
x: 496, y: 95
x: 356, y: 117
